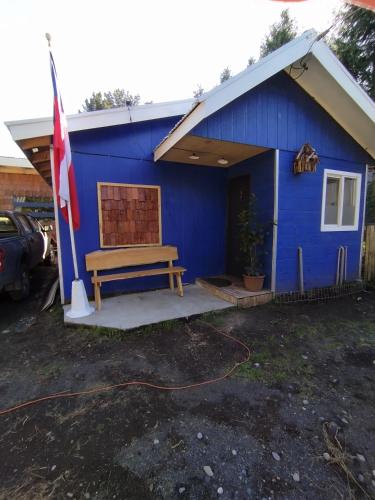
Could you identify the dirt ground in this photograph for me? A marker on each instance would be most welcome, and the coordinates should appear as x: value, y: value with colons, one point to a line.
x: 308, y: 390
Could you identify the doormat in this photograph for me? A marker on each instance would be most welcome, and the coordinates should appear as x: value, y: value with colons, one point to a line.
x: 219, y: 282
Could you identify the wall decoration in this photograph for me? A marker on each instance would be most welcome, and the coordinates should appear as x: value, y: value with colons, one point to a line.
x: 129, y: 215
x: 306, y: 160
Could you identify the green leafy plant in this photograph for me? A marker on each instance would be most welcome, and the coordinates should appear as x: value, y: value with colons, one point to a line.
x: 251, y: 239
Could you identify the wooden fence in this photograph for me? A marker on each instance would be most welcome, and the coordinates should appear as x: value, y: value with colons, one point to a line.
x: 369, y: 261
x: 38, y: 209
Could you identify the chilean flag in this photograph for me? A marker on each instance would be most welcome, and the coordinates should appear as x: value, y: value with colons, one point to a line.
x: 66, y: 189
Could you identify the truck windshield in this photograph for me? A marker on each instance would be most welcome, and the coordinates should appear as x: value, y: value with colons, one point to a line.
x: 7, y: 226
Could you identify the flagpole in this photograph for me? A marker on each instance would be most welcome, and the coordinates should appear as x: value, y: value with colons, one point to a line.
x: 80, y: 306
x: 57, y: 225
x: 72, y: 241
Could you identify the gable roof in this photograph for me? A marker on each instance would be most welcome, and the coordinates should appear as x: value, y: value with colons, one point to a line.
x: 34, y: 136
x: 38, y: 127
x: 326, y: 80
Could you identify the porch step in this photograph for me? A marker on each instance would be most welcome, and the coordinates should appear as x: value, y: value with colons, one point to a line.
x: 235, y: 293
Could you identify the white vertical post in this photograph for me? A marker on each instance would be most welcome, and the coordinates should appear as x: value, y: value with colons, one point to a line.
x: 275, y: 218
x: 80, y: 306
x: 57, y: 226
x: 363, y: 225
x: 72, y: 241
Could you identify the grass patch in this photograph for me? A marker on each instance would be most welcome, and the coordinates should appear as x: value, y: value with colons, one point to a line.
x: 51, y: 370
x: 250, y: 372
x: 216, y: 318
x: 103, y: 334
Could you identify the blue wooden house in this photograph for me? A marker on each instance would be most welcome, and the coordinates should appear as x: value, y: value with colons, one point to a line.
x: 205, y: 157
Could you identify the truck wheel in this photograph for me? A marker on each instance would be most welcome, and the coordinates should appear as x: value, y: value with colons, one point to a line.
x: 24, y: 291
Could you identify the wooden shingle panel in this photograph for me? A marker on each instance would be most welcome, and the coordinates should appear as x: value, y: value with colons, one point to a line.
x: 129, y: 215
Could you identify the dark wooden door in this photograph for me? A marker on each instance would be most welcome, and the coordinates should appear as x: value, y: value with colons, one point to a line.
x: 238, y: 200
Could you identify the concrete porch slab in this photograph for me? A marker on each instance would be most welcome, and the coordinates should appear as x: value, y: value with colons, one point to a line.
x: 140, y: 309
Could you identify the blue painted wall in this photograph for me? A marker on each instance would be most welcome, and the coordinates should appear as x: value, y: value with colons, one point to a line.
x: 276, y: 114
x: 279, y: 114
x: 300, y: 201
x: 261, y: 171
x: 193, y: 200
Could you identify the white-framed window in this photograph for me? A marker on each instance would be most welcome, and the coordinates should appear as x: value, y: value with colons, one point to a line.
x: 340, y: 201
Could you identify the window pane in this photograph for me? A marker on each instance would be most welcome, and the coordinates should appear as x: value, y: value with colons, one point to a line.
x: 349, y: 202
x: 33, y: 223
x: 24, y: 223
x: 332, y: 197
x: 7, y: 225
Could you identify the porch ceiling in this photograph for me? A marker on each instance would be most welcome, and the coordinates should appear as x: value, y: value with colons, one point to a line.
x: 210, y: 151
x: 36, y: 150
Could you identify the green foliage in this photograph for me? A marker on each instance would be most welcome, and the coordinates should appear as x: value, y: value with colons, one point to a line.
x: 251, y: 237
x: 280, y: 33
x: 112, y: 99
x: 251, y: 61
x: 198, y: 92
x: 354, y: 44
x: 225, y: 75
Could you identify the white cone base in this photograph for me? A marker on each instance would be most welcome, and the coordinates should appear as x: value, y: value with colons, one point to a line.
x: 80, y: 306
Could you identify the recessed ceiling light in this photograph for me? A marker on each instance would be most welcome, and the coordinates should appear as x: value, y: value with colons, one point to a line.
x: 223, y: 161
x: 194, y: 157
x: 35, y: 150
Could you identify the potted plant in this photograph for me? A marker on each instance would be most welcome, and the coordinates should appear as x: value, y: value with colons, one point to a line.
x: 251, y: 239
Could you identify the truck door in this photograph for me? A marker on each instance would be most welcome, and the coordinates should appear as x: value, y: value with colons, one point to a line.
x: 34, y: 241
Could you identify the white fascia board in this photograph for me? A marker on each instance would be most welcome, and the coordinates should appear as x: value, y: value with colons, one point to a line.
x: 342, y: 98
x: 342, y: 76
x: 8, y: 161
x: 25, y: 129
x: 238, y: 85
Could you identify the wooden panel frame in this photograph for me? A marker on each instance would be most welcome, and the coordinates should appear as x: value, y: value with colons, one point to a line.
x: 119, y: 184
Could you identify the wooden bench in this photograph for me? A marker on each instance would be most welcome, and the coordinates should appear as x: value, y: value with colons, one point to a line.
x: 102, y: 260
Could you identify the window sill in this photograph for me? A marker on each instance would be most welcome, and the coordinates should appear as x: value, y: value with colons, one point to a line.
x: 333, y: 228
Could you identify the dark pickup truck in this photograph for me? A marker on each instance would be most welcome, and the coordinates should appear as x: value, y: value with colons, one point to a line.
x: 22, y: 247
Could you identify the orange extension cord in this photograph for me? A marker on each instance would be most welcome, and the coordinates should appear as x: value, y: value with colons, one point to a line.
x: 106, y: 388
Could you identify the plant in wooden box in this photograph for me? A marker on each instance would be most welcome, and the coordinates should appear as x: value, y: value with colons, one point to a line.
x: 251, y: 239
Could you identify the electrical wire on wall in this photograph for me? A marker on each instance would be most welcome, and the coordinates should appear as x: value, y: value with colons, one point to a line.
x: 303, y: 66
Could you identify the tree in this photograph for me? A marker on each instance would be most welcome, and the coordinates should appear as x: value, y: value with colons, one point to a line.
x: 112, y: 99
x: 251, y: 61
x: 225, y: 75
x: 198, y: 92
x: 280, y: 34
x: 95, y: 102
x: 354, y: 44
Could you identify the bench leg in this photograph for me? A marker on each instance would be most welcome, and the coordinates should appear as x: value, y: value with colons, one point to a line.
x: 171, y: 276
x: 171, y: 281
x: 98, y: 299
x: 179, y: 285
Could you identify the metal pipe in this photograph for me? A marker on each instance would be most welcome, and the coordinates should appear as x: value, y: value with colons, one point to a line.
x: 300, y: 270
x: 339, y: 270
x: 342, y: 265
x: 346, y: 263
x: 338, y: 267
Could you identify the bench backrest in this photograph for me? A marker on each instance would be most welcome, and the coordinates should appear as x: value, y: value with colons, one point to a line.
x: 122, y: 257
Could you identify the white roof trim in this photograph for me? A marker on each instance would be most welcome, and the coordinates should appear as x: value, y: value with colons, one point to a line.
x: 361, y: 104
x: 25, y: 129
x: 10, y: 161
x: 338, y: 71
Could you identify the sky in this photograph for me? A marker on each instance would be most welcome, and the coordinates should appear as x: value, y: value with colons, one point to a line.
x: 160, y: 49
